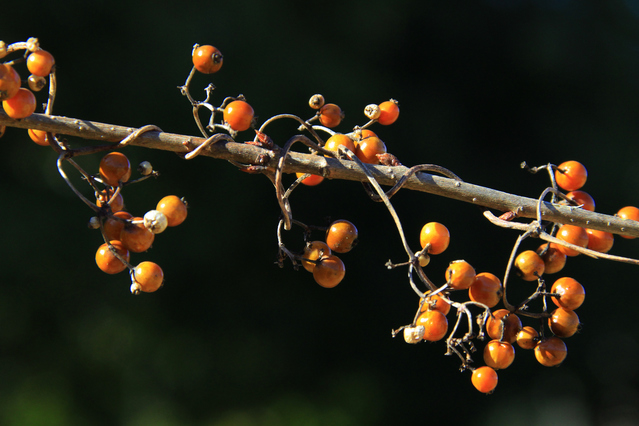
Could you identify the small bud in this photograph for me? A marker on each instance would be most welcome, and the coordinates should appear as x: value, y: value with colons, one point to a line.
x: 94, y: 223
x: 155, y: 221
x: 36, y: 83
x: 424, y: 258
x: 316, y: 101
x: 135, y: 288
x: 372, y: 111
x: 3, y: 49
x: 414, y: 334
x: 33, y: 44
x: 145, y: 168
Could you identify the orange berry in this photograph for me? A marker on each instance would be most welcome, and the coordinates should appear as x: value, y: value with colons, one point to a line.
x: 486, y: 289
x: 503, y: 322
x: 629, y: 213
x: 530, y: 265
x: 551, y: 352
x: 571, y: 175
x: 484, y: 379
x: 330, y: 115
x: 435, y: 325
x: 21, y: 105
x: 571, y: 293
x: 460, y: 275
x: 554, y: 260
x: 388, y: 112
x: 368, y: 149
x: 436, y: 236
x: 311, y: 180
x: 436, y: 303
x: 114, y: 224
x: 583, y: 199
x: 174, y: 208
x: 498, y: 354
x: 38, y: 136
x: 107, y: 261
x: 40, y: 63
x: 149, y: 276
x: 238, y: 115
x: 9, y: 82
x: 600, y: 241
x: 329, y: 271
x: 104, y: 196
x: 314, y: 251
x: 207, y: 59
x: 527, y: 337
x: 341, y: 236
x: 115, y: 168
x: 563, y: 323
x: 136, y: 237
x: 333, y: 143
x: 574, y: 235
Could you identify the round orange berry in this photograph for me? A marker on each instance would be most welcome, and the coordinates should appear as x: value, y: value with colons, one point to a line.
x: 571, y: 175
x: 629, y: 213
x: 583, y: 199
x: 330, y: 115
x: 329, y: 272
x: 600, y: 241
x: 115, y: 168
x: 435, y: 236
x: 436, y: 303
x: 503, y: 325
x: 460, y: 275
x: 9, y: 82
x: 338, y: 139
x: 107, y: 261
x: 368, y: 149
x: 314, y: 251
x: 484, y: 379
x: 530, y: 265
x: 435, y: 325
x: 498, y: 354
x: 571, y: 293
x: 136, y: 237
x: 554, y: 260
x: 311, y: 180
x: 174, y: 208
x: 114, y: 224
x: 40, y: 63
x: 341, y: 236
x: 551, y: 352
x: 388, y: 112
x: 574, y: 235
x: 239, y: 115
x: 21, y: 105
x: 38, y: 136
x: 486, y: 289
x: 149, y: 276
x: 207, y: 59
x: 527, y: 338
x: 563, y: 323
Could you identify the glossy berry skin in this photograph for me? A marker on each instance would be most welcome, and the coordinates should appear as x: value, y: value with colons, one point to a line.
x: 572, y: 293
x: 368, y: 149
x: 436, y: 236
x: 435, y: 303
x: 388, y: 112
x: 629, y: 213
x: 174, y: 208
x: 341, y: 236
x: 498, y: 354
x: 563, y: 323
x: 527, y: 338
x: 583, y: 199
x: 530, y: 265
x: 484, y: 379
x: 135, y: 237
x: 435, y: 325
x: 486, y: 289
x: 115, y: 168
x: 314, y: 251
x: 40, y: 63
x: 117, y: 202
x: 21, y: 105
x: 554, y: 260
x: 333, y: 143
x: 600, y: 241
x: 329, y: 272
x: 149, y: 276
x: 571, y: 175
x: 38, y: 136
x: 113, y: 225
x: 330, y: 115
x: 239, y: 115
x: 574, y: 235
x: 312, y: 180
x: 9, y: 82
x: 551, y: 352
x: 207, y: 59
x: 106, y: 260
x: 503, y: 320
x: 460, y: 275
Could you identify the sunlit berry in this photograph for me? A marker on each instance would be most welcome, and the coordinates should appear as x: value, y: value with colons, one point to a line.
x: 571, y: 175
x: 498, y: 354
x: 484, y: 379
x: 207, y: 59
x: 551, y: 352
x: 238, y: 115
x: 114, y: 224
x: 149, y: 276
x: 338, y: 139
x: 107, y: 261
x: 574, y: 235
x: 330, y: 115
x: 563, y: 323
x: 527, y: 338
x: 629, y: 213
x: 115, y: 168
x: 341, y: 236
x: 21, y: 105
x: 135, y: 237
x: 9, y: 82
x: 460, y: 275
x: 436, y: 303
x: 435, y: 325
x: 600, y: 241
x: 389, y: 112
x: 486, y: 289
x: 329, y: 271
x: 554, y: 259
x: 311, y: 180
x: 503, y: 325
x: 435, y: 236
x: 312, y: 252
x: 583, y: 199
x: 174, y: 208
x: 571, y: 293
x: 530, y: 265
x: 38, y: 136
x: 368, y: 148
x: 40, y: 63
x: 116, y: 202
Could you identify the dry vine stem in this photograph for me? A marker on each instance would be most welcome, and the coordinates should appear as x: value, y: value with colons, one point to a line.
x: 331, y: 168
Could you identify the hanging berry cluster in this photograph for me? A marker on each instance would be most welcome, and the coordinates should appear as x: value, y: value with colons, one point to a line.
x: 474, y: 297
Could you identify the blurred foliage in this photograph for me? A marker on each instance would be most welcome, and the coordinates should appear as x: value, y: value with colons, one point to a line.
x: 234, y: 340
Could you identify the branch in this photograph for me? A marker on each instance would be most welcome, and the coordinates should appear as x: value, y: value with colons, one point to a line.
x: 330, y: 168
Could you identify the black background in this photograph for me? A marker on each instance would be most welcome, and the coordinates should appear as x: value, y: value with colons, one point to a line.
x: 234, y: 340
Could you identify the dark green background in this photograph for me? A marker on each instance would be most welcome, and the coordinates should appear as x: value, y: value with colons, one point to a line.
x: 234, y: 340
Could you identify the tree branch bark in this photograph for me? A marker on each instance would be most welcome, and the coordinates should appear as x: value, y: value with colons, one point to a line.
x: 330, y: 168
